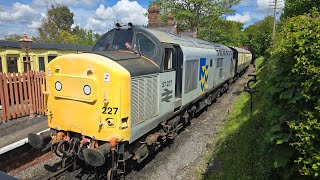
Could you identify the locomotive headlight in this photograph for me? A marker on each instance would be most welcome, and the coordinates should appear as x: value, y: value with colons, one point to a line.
x: 58, y: 86
x: 87, y: 89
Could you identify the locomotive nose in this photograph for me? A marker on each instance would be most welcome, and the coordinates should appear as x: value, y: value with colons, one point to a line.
x: 90, y: 97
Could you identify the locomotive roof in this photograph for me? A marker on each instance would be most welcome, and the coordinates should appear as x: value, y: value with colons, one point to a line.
x: 181, y: 40
x: 221, y: 46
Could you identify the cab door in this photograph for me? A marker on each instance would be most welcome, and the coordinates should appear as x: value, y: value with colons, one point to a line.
x: 173, y: 61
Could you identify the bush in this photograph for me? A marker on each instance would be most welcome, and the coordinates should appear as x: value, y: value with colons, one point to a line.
x: 294, y: 109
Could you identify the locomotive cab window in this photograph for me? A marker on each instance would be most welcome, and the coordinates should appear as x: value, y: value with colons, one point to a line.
x: 104, y: 43
x: 122, y: 40
x: 144, y: 45
x: 168, y: 59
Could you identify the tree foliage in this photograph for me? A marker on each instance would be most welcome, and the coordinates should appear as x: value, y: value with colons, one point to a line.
x: 13, y: 37
x: 56, y: 27
x: 204, y: 16
x: 258, y: 36
x: 191, y: 14
x: 58, y: 20
x: 294, y: 109
x: 299, y: 7
x: 222, y: 31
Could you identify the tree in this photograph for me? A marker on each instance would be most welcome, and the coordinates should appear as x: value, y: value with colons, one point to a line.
x: 66, y: 37
x: 96, y: 37
x: 13, y: 37
x: 59, y: 18
x: 191, y: 14
x: 299, y: 7
x: 222, y: 31
x: 293, y: 97
x: 258, y: 36
x: 85, y: 37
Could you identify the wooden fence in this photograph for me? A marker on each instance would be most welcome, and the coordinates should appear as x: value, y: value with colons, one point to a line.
x: 14, y: 95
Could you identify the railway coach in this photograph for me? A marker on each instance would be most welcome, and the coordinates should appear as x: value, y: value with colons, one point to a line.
x: 242, y: 57
x: 134, y: 91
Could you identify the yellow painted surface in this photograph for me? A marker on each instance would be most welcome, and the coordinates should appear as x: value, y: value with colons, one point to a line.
x: 71, y: 110
x: 34, y: 55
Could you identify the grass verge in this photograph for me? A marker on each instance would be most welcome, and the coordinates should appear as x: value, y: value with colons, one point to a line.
x: 239, y: 153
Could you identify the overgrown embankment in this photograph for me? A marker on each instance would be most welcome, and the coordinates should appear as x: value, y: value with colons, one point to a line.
x: 281, y: 139
x: 294, y: 104
x: 240, y: 150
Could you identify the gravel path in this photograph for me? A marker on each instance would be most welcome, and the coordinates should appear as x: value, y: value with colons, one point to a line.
x: 186, y: 157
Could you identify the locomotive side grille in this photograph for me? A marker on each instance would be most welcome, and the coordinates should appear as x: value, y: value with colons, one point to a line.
x: 144, y: 98
x: 191, y: 75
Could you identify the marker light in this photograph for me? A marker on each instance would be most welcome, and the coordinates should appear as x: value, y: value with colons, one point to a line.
x: 58, y: 86
x: 87, y: 89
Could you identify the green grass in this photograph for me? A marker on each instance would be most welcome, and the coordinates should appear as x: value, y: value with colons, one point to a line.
x: 240, y: 149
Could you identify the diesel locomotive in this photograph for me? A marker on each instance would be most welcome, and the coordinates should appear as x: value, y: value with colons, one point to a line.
x: 134, y: 91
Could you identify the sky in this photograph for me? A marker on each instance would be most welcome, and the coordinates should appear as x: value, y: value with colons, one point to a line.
x: 24, y: 16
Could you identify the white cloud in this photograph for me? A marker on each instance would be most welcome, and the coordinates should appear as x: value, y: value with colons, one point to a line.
x: 267, y: 4
x: 246, y: 17
x: 105, y: 13
x: 95, y: 25
x: 34, y: 25
x: 65, y: 2
x: 88, y: 14
x: 263, y: 4
x: 18, y: 11
x: 124, y: 11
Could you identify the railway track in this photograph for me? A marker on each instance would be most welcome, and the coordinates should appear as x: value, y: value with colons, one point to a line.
x: 59, y: 173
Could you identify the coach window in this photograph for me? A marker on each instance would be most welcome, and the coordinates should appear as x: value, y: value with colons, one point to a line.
x: 50, y: 58
x: 144, y: 45
x: 168, y: 59
x: 12, y: 63
x: 25, y: 63
x: 41, y: 64
x: 0, y: 64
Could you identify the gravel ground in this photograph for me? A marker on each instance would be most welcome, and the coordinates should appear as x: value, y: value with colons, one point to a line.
x: 38, y: 170
x: 186, y: 157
